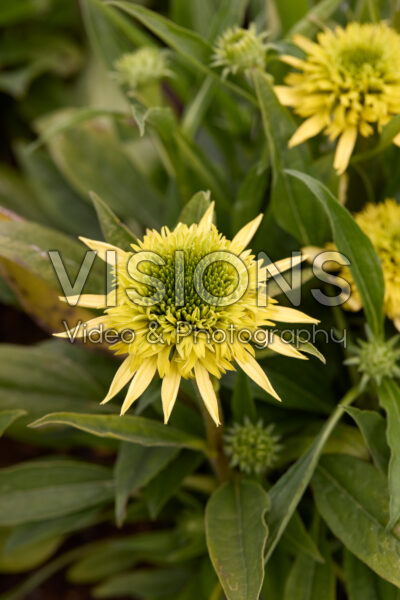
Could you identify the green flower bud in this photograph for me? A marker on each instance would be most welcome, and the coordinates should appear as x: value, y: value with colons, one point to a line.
x: 142, y: 68
x: 238, y: 50
x: 375, y: 358
x: 251, y: 448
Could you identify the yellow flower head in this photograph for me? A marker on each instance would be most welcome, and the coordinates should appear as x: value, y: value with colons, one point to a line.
x: 238, y: 50
x: 348, y: 83
x: 381, y: 223
x: 142, y: 68
x: 192, y: 299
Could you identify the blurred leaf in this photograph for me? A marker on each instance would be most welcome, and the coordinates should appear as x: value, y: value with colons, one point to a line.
x: 236, y: 535
x: 168, y: 482
x: 309, y: 580
x: 38, y: 490
x: 149, y: 583
x: 23, y: 536
x: 110, y: 33
x: 351, y: 496
x: 104, y: 558
x: 137, y: 430
x: 7, y: 417
x: 297, y: 539
x: 115, y: 232
x: 193, y: 210
x: 295, y: 211
x: 373, y: 428
x: 92, y: 159
x: 290, y: 13
x: 250, y: 196
x: 135, y: 467
x: 13, y: 12
x: 52, y: 375
x: 389, y: 398
x: 29, y: 558
x: 312, y: 21
x: 242, y: 402
x: 52, y: 200
x: 287, y: 492
x: 365, y: 265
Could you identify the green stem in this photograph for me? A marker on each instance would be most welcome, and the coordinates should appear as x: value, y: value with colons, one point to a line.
x: 217, y: 457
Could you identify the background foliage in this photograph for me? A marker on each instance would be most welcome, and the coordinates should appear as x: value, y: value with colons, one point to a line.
x: 129, y: 508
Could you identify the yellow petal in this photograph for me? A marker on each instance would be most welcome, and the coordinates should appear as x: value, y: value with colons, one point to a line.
x: 244, y: 236
x: 169, y: 391
x: 344, y: 149
x: 277, y: 344
x: 140, y: 382
x: 311, y: 252
x: 308, y: 129
x: 106, y: 252
x: 293, y: 61
x: 207, y: 391
x: 121, y: 378
x: 280, y: 266
x: 86, y: 300
x: 79, y: 330
x: 251, y: 367
x: 283, y: 314
x: 207, y: 219
x: 396, y: 140
x: 286, y: 95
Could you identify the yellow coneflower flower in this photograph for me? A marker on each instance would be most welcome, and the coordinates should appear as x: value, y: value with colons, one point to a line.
x: 187, y: 321
x: 348, y: 84
x: 381, y: 223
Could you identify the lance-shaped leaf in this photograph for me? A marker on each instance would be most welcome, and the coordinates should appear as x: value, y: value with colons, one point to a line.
x: 236, y: 536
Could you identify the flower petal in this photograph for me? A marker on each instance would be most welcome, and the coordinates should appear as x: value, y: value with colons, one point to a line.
x: 169, y: 391
x: 206, y: 220
x: 244, y: 236
x: 277, y: 344
x: 81, y: 328
x: 280, y: 266
x: 207, y: 391
x: 344, y: 149
x: 140, y: 382
x: 106, y: 252
x: 308, y: 129
x: 251, y: 367
x: 283, y: 314
x: 121, y: 378
x: 286, y: 95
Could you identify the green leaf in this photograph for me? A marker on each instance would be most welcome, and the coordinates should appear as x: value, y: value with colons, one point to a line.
x: 309, y: 580
x: 105, y: 558
x: 7, y: 417
x: 361, y: 582
x: 23, y: 536
x: 373, y: 428
x: 352, y: 498
x: 297, y: 539
x: 135, y: 467
x: 290, y: 13
x: 295, y: 211
x: 39, y: 490
x: 365, y: 265
x: 168, y: 482
x: 236, y: 535
x: 154, y: 583
x: 311, y: 22
x: 389, y: 398
x: 29, y: 558
x: 137, y: 430
x: 193, y: 210
x: 114, y: 231
x: 242, y: 402
x: 287, y: 492
x: 91, y: 158
x: 250, y: 196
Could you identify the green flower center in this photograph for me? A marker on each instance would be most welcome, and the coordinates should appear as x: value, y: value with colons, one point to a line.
x: 190, y: 286
x: 356, y: 59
